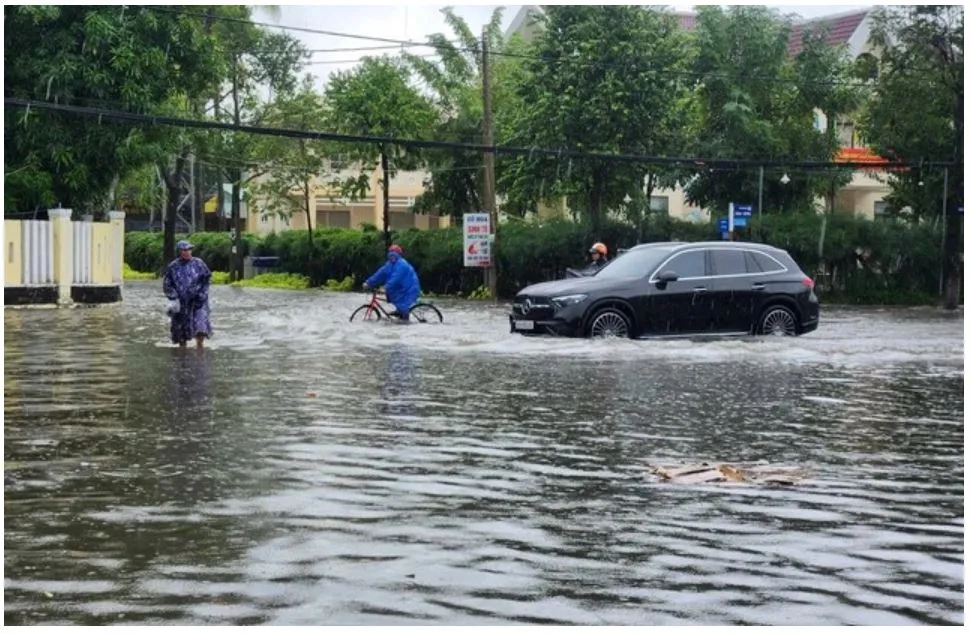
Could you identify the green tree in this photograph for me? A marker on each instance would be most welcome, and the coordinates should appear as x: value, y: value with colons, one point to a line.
x: 601, y: 79
x: 754, y: 101
x: 455, y: 80
x: 292, y: 166
x: 127, y: 58
x: 378, y: 98
x: 916, y: 114
x: 260, y: 63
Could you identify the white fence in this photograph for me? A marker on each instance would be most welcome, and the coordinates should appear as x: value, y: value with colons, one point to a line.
x: 83, y: 239
x: 37, y: 238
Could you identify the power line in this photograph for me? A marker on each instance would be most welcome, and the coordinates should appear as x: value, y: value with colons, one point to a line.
x: 356, y: 49
x: 350, y: 61
x: 301, y: 29
x: 563, y: 153
x: 548, y: 60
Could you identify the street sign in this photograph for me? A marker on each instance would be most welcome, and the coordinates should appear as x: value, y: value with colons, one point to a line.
x: 740, y: 221
x: 722, y: 224
x: 478, y: 240
x: 741, y: 211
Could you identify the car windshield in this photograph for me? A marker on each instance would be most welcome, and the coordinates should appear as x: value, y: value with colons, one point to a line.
x: 636, y: 263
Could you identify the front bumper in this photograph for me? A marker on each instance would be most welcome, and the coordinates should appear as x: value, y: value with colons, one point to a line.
x: 563, y: 325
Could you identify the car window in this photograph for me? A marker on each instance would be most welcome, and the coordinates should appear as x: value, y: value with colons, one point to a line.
x: 728, y: 262
x: 765, y: 264
x: 636, y: 263
x: 752, y: 264
x: 689, y: 264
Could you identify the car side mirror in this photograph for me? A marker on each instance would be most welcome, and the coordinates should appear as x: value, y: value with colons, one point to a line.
x: 666, y: 277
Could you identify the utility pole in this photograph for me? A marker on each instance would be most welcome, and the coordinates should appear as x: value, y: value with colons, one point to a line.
x: 235, y: 260
x: 489, y: 184
x: 761, y: 188
x: 943, y: 254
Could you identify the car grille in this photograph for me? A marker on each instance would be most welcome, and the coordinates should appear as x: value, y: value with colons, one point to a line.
x: 533, y: 307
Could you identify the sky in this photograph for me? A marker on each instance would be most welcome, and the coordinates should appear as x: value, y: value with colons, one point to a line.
x: 415, y: 23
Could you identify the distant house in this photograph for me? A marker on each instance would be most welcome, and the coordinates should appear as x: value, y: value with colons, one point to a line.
x: 329, y: 209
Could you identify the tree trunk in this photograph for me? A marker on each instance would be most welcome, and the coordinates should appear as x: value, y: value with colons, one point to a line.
x: 173, y: 188
x: 198, y: 208
x: 221, y: 200
x: 235, y: 266
x: 386, y: 186
x: 309, y: 227
x: 953, y: 259
x: 640, y: 213
x: 596, y: 200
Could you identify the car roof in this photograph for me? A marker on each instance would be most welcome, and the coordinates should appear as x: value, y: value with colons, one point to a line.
x: 708, y: 244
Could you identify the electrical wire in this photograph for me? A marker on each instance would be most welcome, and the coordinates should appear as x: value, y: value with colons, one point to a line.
x: 546, y: 60
x: 563, y: 153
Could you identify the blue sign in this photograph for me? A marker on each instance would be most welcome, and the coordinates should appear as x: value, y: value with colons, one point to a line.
x: 740, y: 221
x: 742, y: 211
x: 722, y: 224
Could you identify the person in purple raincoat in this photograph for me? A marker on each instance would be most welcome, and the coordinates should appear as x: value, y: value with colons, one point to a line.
x: 186, y: 284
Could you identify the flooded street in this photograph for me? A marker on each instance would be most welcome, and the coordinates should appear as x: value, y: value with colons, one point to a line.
x: 304, y: 470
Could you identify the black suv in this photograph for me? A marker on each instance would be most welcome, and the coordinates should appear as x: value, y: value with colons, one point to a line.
x: 676, y: 289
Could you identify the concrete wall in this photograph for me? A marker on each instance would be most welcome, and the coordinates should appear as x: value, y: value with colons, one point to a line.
x: 12, y: 253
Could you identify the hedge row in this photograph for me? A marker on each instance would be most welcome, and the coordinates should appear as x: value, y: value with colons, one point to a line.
x: 859, y: 259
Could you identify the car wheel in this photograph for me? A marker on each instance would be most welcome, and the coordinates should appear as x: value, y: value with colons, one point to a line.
x: 609, y: 322
x: 778, y: 321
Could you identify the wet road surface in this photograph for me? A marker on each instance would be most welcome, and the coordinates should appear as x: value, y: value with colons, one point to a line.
x: 305, y: 470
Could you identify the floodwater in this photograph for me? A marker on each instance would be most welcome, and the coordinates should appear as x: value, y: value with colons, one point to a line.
x: 308, y: 471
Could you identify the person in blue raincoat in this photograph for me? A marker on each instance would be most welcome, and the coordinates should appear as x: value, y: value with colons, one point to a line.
x: 186, y: 285
x: 400, y: 282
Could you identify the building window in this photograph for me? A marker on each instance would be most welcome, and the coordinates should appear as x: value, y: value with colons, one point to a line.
x: 328, y: 218
x: 819, y: 125
x: 847, y: 134
x: 400, y: 220
x: 880, y: 210
x: 660, y: 204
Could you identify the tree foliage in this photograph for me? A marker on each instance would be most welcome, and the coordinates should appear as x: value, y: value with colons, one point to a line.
x: 378, y: 98
x: 916, y: 114
x: 916, y: 110
x: 753, y: 101
x: 121, y: 57
x: 601, y: 79
x: 292, y: 167
x: 455, y: 80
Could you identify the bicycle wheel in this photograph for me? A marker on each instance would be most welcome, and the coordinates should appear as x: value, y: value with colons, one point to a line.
x: 366, y: 313
x: 426, y: 313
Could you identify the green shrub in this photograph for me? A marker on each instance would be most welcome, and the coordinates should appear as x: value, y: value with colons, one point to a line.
x: 290, y: 281
x: 129, y: 273
x: 143, y: 250
x: 343, y: 286
x: 860, y: 261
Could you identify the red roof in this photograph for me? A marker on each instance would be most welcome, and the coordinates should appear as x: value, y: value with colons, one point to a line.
x: 840, y: 29
x: 686, y: 20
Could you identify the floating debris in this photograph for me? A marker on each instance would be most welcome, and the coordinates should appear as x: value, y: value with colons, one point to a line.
x: 723, y: 473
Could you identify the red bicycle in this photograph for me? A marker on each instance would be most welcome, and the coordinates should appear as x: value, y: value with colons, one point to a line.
x: 374, y: 310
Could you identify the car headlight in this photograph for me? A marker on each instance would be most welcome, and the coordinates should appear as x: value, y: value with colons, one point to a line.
x: 567, y: 300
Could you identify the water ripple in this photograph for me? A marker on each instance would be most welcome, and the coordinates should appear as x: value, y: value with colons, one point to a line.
x: 305, y: 470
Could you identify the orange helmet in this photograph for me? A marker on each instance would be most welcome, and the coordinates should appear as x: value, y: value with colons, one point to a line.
x: 599, y: 247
